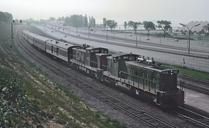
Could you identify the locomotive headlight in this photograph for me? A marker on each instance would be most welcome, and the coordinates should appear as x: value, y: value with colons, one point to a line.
x: 114, y: 59
x: 171, y: 72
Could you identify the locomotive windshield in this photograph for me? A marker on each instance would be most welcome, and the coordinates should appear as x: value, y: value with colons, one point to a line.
x: 168, y: 80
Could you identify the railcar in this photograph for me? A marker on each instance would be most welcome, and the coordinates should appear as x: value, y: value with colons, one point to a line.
x: 89, y: 60
x: 143, y: 78
x: 160, y: 83
x: 36, y: 40
x: 116, y: 64
x: 101, y: 61
x: 58, y: 49
x: 140, y: 76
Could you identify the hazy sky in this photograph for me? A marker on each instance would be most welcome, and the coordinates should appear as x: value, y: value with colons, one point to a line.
x: 120, y: 10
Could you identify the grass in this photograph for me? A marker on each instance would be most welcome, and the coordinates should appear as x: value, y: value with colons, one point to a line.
x: 45, y: 100
x: 189, y: 72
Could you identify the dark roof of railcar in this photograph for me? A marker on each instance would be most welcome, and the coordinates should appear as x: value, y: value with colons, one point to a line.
x: 53, y: 42
x: 147, y: 66
x: 36, y: 36
x: 120, y: 54
x: 59, y: 44
x: 92, y: 48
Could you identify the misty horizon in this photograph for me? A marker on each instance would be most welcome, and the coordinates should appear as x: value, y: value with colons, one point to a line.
x: 138, y: 10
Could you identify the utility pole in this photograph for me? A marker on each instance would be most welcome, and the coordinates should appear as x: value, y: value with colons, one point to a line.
x: 12, y: 30
x: 189, y: 41
x: 189, y: 30
x: 106, y: 34
x: 88, y: 31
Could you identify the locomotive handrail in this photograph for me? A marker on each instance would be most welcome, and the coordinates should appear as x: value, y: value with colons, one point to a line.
x: 144, y: 80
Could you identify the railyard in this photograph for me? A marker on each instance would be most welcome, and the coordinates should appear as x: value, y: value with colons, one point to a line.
x: 196, y: 98
x: 123, y: 64
x: 140, y: 115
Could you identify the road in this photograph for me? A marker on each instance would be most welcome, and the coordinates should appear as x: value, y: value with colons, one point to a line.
x: 196, y: 46
x: 169, y: 58
x: 204, y: 52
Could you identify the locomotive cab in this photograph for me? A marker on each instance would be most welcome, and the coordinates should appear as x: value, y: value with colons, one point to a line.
x: 169, y: 95
x: 168, y: 80
x: 160, y: 83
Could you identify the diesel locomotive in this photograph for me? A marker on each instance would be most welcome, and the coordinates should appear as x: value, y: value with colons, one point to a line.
x: 138, y: 75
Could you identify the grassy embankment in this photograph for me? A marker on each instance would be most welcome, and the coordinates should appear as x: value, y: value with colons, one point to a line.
x: 189, y: 72
x: 29, y: 99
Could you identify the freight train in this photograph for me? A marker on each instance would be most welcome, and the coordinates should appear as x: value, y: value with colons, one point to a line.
x: 137, y: 75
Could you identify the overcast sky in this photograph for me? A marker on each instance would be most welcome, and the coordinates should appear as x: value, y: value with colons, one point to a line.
x: 119, y: 10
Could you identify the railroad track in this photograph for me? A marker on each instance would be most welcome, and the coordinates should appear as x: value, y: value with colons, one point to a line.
x: 188, y: 82
x: 139, y: 115
x: 206, y: 82
x: 195, y: 84
x: 128, y: 109
x: 196, y: 117
x: 136, y: 113
x: 202, y: 89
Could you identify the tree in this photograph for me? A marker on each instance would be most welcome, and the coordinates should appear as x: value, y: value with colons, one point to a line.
x: 134, y: 25
x: 104, y: 23
x: 111, y: 24
x: 92, y: 22
x: 149, y: 26
x: 200, y: 33
x: 52, y: 19
x: 76, y: 21
x: 85, y: 21
x: 164, y: 25
x: 206, y: 29
x: 125, y: 25
x: 6, y: 17
x: 61, y: 18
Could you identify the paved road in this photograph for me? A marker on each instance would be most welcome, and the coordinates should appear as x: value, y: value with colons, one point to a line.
x: 191, y: 62
x: 133, y: 44
x: 196, y: 46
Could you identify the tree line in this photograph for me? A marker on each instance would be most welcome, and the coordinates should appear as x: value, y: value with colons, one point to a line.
x: 109, y: 24
x: 79, y: 21
x: 164, y: 25
x: 6, y: 17
x: 84, y: 21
